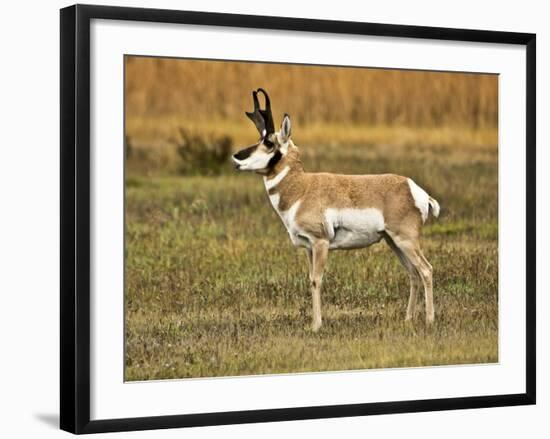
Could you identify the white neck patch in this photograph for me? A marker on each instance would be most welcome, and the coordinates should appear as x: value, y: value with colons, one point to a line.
x: 270, y: 184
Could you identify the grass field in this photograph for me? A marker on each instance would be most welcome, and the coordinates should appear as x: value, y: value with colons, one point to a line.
x: 215, y: 288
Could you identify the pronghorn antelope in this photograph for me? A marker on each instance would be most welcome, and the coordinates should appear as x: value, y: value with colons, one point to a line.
x: 323, y: 211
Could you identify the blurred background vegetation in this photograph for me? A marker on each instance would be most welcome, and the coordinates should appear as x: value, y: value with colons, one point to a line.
x: 213, y: 285
x: 206, y: 101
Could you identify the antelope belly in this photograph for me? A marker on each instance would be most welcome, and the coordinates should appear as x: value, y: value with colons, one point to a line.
x: 354, y: 228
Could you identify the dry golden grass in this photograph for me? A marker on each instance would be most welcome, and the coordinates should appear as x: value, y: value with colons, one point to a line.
x: 328, y: 105
x: 158, y: 130
x: 205, y: 91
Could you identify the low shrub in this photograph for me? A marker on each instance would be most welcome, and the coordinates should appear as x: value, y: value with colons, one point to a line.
x: 202, y: 154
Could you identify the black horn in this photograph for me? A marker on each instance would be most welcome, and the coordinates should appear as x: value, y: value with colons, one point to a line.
x: 263, y: 119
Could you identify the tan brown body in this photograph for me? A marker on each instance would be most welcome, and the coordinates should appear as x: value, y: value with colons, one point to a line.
x: 324, y: 211
x: 389, y: 193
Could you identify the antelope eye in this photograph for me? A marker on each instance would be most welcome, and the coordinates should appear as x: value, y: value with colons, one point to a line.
x: 269, y: 143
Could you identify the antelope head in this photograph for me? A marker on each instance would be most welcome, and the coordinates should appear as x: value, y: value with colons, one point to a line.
x: 271, y: 146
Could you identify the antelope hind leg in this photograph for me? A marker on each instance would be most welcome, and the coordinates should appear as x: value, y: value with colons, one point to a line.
x: 412, y: 252
x: 414, y: 277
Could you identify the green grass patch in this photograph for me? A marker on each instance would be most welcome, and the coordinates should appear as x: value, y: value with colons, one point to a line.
x: 215, y: 288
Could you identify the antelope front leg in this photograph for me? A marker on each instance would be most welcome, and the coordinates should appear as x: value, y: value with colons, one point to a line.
x: 319, y: 253
x: 310, y: 263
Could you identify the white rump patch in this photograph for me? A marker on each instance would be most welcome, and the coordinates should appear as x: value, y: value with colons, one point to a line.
x: 271, y: 183
x: 353, y: 228
x: 421, y: 199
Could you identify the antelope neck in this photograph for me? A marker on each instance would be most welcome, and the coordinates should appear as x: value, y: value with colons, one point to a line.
x: 273, y: 182
x: 287, y: 166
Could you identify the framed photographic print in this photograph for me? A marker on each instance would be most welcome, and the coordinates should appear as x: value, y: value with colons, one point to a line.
x: 268, y: 218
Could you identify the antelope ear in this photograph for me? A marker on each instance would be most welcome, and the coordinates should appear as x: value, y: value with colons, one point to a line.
x: 285, y: 128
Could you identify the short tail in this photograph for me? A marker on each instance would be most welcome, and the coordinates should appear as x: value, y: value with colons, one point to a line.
x: 423, y: 201
x: 434, y: 205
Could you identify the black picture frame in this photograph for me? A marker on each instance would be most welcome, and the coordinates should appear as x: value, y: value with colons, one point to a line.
x: 75, y: 217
